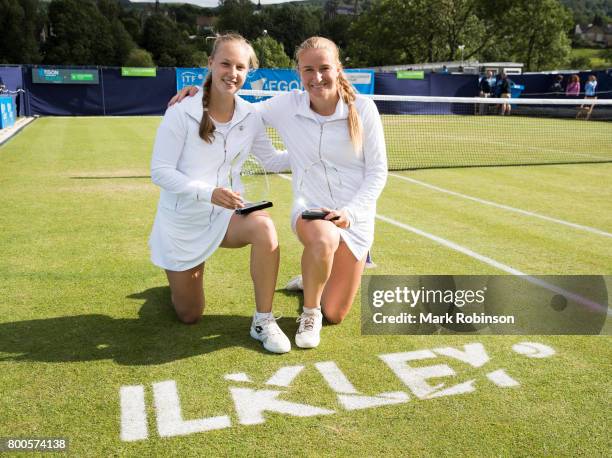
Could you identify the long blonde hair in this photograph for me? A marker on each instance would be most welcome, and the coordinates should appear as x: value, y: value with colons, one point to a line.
x: 345, y: 90
x: 207, y: 128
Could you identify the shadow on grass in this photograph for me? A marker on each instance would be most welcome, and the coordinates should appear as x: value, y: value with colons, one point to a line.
x: 156, y: 337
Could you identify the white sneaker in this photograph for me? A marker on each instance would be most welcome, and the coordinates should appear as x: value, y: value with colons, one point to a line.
x: 308, y: 334
x: 295, y: 284
x: 273, y: 338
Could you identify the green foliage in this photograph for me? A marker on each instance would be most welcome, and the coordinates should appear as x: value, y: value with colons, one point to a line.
x: 168, y: 46
x: 398, y: 32
x: 291, y: 24
x: 82, y: 35
x: 237, y: 16
x: 271, y: 53
x: 19, y: 25
x: 585, y: 11
x: 580, y: 63
x: 139, y: 58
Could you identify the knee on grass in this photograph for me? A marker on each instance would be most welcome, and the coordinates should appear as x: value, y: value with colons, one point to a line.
x: 333, y: 316
x: 189, y: 313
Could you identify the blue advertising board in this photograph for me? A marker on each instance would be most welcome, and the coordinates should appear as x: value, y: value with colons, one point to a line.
x: 7, y: 111
x: 274, y: 80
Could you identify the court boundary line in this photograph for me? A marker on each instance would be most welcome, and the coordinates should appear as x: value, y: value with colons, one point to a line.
x: 504, y: 207
x: 489, y: 261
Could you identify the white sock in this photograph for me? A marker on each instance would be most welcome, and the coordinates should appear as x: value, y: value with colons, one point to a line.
x: 261, y: 316
x: 309, y: 310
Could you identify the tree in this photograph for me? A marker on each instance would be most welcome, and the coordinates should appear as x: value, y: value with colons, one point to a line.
x: 270, y: 53
x: 404, y: 32
x: 80, y: 35
x: 20, y: 24
x: 123, y: 43
x: 291, y: 24
x: 540, y: 33
x: 237, y: 16
x: 161, y: 38
x: 139, y: 58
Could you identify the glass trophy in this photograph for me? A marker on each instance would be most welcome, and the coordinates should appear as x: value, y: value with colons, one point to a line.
x: 248, y: 177
x: 319, y: 187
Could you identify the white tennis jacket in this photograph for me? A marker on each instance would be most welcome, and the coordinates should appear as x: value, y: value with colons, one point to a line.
x: 188, y: 228
x: 326, y: 170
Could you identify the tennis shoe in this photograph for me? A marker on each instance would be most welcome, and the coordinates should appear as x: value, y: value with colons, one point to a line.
x: 308, y: 334
x: 270, y: 334
x: 295, y: 284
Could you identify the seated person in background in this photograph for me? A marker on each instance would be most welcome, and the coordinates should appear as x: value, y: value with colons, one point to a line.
x: 573, y: 87
x: 557, y: 85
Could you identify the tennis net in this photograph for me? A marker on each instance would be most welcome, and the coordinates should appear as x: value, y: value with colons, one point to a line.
x: 438, y: 132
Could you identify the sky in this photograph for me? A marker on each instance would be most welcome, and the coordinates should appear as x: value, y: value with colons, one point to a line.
x: 207, y: 3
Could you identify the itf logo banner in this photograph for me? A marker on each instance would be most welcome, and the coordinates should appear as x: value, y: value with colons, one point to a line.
x: 190, y: 77
x: 274, y: 80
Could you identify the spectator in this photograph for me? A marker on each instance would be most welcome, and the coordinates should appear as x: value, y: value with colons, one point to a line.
x: 590, y: 86
x: 505, y: 92
x: 589, y: 93
x: 573, y: 87
x: 557, y: 85
x: 444, y: 69
x: 485, y: 90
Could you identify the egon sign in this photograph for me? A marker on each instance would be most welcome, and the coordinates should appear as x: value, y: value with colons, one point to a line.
x: 251, y: 404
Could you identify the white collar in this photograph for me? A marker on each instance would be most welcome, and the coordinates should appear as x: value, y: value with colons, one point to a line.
x: 341, y: 111
x: 193, y: 107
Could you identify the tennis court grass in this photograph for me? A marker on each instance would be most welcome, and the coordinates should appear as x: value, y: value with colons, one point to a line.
x: 84, y: 313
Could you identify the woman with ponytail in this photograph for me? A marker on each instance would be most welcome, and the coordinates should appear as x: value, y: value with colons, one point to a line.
x: 331, y: 128
x: 200, y: 147
x: 330, y: 124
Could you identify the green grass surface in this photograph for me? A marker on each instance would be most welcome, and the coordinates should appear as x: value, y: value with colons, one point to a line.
x: 84, y: 312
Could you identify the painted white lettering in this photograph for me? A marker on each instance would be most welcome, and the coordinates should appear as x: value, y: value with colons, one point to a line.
x: 474, y: 354
x: 285, y: 375
x: 133, y: 413
x: 169, y: 418
x: 415, y: 377
x: 533, y: 350
x: 334, y: 377
x: 501, y: 378
x: 251, y: 404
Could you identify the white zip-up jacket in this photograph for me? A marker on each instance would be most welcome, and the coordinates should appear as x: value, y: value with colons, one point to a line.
x: 326, y: 170
x: 188, y: 228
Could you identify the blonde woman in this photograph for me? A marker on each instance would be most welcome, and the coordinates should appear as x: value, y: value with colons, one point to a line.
x: 200, y: 144
x: 330, y: 132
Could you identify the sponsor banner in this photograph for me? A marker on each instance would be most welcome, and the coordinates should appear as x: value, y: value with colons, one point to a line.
x: 7, y: 112
x: 363, y: 80
x: 150, y: 72
x: 42, y: 75
x: 410, y: 75
x: 502, y: 304
x: 274, y: 80
x: 190, y: 77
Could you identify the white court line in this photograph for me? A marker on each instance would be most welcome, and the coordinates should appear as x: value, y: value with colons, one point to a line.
x: 505, y: 207
x: 533, y: 148
x: 498, y: 265
x: 491, y: 262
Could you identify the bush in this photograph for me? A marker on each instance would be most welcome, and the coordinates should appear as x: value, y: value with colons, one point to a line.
x: 139, y: 58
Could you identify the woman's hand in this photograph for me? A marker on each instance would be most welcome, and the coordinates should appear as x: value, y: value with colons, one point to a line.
x: 187, y: 91
x: 226, y: 198
x: 338, y: 217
